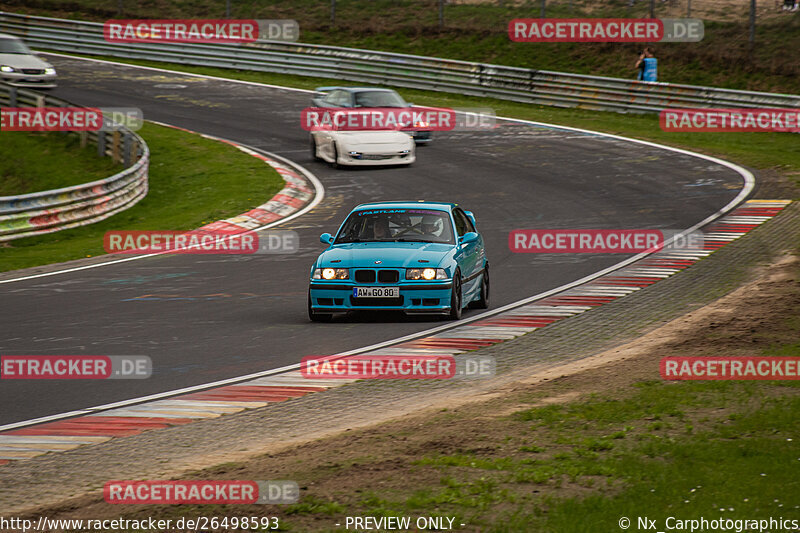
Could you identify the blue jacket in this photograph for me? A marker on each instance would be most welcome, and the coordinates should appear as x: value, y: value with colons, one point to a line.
x: 650, y: 70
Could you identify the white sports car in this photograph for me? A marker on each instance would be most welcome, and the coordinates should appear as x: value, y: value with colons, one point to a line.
x: 383, y: 147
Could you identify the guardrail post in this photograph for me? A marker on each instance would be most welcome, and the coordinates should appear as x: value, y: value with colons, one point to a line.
x: 12, y: 97
x: 126, y: 149
x: 752, y: 39
x: 115, y: 156
x: 544, y: 8
x: 84, y: 136
x: 101, y: 143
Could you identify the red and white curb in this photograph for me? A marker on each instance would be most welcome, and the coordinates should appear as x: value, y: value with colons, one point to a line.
x: 128, y: 420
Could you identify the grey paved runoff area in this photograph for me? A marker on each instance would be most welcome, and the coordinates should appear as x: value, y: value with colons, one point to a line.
x: 51, y: 478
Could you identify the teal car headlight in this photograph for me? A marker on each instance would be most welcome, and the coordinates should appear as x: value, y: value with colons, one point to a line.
x: 331, y: 273
x: 426, y: 273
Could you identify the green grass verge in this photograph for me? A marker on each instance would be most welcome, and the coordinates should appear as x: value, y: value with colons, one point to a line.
x: 711, y: 449
x: 774, y: 151
x: 193, y: 181
x: 741, y: 468
x: 31, y: 162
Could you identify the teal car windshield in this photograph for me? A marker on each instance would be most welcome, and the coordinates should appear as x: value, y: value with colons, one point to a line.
x: 397, y: 225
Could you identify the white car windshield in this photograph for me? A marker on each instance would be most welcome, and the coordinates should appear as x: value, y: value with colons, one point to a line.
x: 13, y: 46
x: 397, y: 225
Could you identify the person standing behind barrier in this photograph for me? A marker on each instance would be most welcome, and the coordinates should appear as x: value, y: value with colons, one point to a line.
x: 647, y: 65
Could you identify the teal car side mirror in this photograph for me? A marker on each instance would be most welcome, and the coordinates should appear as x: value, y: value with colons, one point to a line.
x: 468, y: 237
x: 326, y: 238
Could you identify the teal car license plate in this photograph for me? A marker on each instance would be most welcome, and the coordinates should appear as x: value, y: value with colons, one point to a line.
x: 376, y: 292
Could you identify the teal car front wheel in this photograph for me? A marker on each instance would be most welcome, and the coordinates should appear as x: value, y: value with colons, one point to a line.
x: 456, y: 297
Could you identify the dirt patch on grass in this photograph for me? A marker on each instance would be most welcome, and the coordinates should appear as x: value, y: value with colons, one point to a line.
x: 758, y: 317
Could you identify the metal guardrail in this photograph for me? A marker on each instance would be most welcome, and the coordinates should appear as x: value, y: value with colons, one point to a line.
x: 399, y: 70
x: 59, y: 209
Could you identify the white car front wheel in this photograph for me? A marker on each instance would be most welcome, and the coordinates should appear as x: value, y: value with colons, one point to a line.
x: 336, y: 163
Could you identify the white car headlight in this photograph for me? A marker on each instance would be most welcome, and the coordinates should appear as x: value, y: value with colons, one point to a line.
x: 50, y: 71
x: 6, y: 68
x: 426, y: 273
x: 331, y: 273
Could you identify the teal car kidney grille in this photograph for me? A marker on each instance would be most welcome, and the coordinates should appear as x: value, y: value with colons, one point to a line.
x: 381, y: 275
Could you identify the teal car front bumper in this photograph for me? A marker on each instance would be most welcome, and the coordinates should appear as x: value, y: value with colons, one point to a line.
x: 416, y: 297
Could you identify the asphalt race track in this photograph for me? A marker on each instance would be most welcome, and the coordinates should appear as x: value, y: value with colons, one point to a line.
x: 206, y: 318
